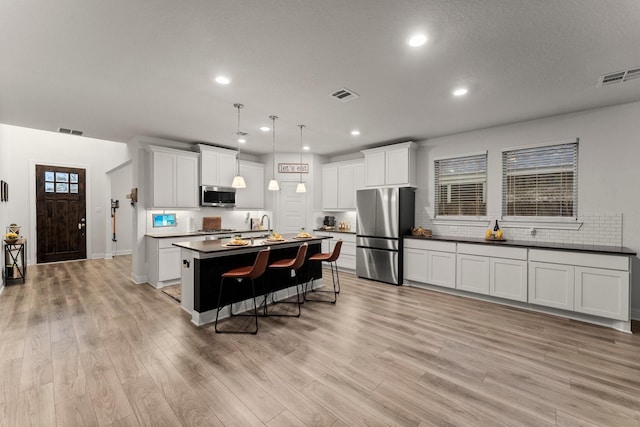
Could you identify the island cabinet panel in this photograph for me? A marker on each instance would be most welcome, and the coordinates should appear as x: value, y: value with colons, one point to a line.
x: 208, y: 272
x: 602, y: 292
x: 551, y: 285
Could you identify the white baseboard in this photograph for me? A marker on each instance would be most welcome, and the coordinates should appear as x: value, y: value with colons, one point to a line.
x: 1, y: 288
x: 138, y: 279
x: 618, y: 325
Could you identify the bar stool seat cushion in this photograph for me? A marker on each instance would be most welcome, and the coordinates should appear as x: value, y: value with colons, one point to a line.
x: 239, y: 273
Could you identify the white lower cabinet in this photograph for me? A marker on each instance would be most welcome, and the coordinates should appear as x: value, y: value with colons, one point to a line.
x: 602, y: 292
x: 473, y: 273
x: 347, y: 258
x: 169, y: 264
x: 441, y: 268
x: 585, y: 283
x: 508, y: 278
x: 551, y: 285
x: 430, y: 262
x: 496, y: 271
x: 415, y: 265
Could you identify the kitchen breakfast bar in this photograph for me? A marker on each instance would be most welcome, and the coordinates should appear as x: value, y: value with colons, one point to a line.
x: 204, y: 262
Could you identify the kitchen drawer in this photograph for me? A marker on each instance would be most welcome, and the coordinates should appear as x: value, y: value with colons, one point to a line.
x: 431, y: 245
x: 611, y: 262
x: 493, y: 251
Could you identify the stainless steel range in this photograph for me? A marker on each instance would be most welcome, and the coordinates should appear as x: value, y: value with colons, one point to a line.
x: 384, y: 216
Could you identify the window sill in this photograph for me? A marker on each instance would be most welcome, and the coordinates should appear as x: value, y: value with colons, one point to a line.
x: 461, y: 221
x: 569, y: 224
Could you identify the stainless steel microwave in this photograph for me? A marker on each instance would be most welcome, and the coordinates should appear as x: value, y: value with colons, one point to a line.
x: 221, y: 197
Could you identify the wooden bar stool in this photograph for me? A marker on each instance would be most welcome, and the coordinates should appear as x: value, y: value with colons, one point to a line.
x: 240, y: 274
x: 331, y: 258
x: 293, y: 265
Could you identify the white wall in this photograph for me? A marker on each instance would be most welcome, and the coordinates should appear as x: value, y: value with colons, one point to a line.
x: 22, y: 148
x: 120, y: 183
x: 609, y: 150
x: 4, y: 206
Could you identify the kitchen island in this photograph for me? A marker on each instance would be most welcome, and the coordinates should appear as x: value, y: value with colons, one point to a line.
x: 204, y: 262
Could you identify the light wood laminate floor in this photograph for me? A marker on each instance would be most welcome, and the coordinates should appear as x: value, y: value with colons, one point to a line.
x: 80, y: 344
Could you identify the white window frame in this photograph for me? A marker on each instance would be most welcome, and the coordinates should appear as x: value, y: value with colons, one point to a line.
x: 541, y: 222
x: 462, y: 220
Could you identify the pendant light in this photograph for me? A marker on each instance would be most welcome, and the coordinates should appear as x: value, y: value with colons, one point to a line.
x: 301, y: 187
x: 273, y: 184
x: 238, y: 180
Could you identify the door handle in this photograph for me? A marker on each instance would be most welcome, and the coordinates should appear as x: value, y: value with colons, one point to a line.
x: 82, y: 224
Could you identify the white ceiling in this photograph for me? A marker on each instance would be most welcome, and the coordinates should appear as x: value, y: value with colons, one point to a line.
x: 119, y: 69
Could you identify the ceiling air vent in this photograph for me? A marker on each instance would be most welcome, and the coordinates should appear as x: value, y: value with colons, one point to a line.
x: 618, y: 77
x: 632, y: 74
x: 70, y: 131
x: 344, y: 95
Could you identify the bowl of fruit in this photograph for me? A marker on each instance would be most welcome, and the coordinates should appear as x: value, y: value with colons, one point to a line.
x: 11, y: 238
x: 421, y: 232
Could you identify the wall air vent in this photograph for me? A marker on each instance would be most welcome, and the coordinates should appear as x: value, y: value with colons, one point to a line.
x: 70, y: 131
x: 344, y: 95
x: 618, y: 77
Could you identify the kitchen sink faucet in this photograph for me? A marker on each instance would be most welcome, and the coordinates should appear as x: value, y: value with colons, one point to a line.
x: 268, y: 222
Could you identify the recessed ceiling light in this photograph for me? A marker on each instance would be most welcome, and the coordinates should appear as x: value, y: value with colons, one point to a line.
x: 306, y: 148
x: 355, y: 132
x: 265, y: 128
x: 223, y: 80
x: 417, y: 40
x: 461, y: 91
x: 242, y: 140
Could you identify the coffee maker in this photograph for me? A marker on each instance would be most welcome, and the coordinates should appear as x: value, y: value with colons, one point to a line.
x: 329, y: 222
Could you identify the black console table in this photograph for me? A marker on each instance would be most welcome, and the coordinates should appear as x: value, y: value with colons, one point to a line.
x: 15, y: 265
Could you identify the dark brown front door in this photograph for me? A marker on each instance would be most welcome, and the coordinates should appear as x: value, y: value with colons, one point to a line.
x: 61, y: 213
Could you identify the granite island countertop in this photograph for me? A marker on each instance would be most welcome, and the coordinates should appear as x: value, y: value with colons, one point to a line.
x: 218, y: 247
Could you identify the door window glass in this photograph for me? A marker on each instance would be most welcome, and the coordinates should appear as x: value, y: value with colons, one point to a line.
x: 48, y: 187
x: 73, y: 188
x: 62, y: 177
x: 62, y: 187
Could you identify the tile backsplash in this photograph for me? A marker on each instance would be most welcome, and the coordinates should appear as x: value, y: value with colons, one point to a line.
x: 598, y: 228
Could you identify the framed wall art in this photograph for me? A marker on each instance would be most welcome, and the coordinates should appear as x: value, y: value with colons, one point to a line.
x: 293, y: 167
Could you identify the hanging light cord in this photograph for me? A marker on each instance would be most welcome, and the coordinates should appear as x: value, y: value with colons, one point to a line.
x: 238, y: 106
x: 301, y: 127
x: 273, y: 128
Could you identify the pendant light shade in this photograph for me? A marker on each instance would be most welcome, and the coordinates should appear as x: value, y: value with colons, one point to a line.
x: 238, y: 180
x: 273, y: 184
x: 301, y: 188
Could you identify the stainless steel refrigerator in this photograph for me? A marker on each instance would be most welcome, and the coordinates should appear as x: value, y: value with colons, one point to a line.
x: 384, y: 216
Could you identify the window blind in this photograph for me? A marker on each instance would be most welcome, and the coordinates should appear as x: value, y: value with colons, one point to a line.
x: 541, y: 181
x: 461, y: 186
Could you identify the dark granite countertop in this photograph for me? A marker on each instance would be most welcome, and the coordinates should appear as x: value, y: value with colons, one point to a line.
x: 598, y: 249
x: 165, y: 235
x: 335, y: 231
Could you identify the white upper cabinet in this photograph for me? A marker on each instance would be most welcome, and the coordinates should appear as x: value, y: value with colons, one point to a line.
x: 217, y: 165
x: 340, y: 181
x: 173, y: 178
x: 330, y: 186
x: 251, y: 197
x: 391, y: 165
